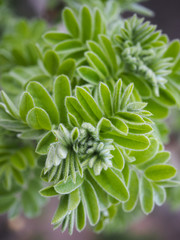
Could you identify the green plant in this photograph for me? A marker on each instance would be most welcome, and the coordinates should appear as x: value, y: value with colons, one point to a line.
x: 85, y: 109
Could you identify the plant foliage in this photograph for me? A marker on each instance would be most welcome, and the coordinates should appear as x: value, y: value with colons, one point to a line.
x: 80, y: 112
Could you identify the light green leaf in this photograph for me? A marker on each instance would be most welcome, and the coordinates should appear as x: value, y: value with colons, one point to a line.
x: 43, y: 100
x: 159, y: 158
x: 173, y: 50
x: 37, y: 118
x: 80, y: 217
x: 74, y: 200
x: 105, y: 98
x: 44, y: 143
x: 133, y: 186
x: 118, y: 159
x: 165, y: 98
x: 160, y: 172
x: 159, y: 194
x: 130, y: 117
x: 131, y: 141
x: 89, y: 75
x: 26, y: 104
x: 53, y: 37
x: 139, y: 128
x: 143, y: 156
x: 71, y: 22
x: 69, y: 46
x: 117, y: 96
x: 142, y: 87
x: 146, y: 196
x: 62, y: 210
x: 97, y: 63
x: 112, y: 184
x: 98, y: 24
x: 48, y: 192
x: 99, y: 51
x: 62, y: 89
x: 115, y: 126
x: 86, y: 20
x: 103, y: 197
x: 88, y: 103
x: 77, y: 111
x: 158, y: 110
x: 68, y: 187
x: 31, y: 134
x: 51, y: 62
x: 67, y: 68
x: 90, y: 200
x: 10, y: 105
x: 107, y: 45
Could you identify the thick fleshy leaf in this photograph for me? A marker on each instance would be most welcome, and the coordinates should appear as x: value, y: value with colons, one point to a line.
x: 69, y: 46
x: 139, y: 128
x: 62, y: 210
x: 133, y: 187
x: 103, y: 197
x: 43, y: 100
x: 71, y: 22
x: 142, y: 87
x: 77, y: 111
x: 51, y: 62
x: 143, y: 156
x: 48, y: 192
x: 130, y: 117
x: 159, y: 158
x: 109, y: 51
x: 62, y: 89
x: 112, y: 184
x: 126, y: 95
x: 97, y: 63
x: 117, y: 96
x: 74, y: 200
x: 173, y: 50
x: 67, y: 68
x: 88, y: 103
x: 99, y: 51
x: 165, y: 98
x: 68, y: 187
x: 114, y: 125
x: 90, y: 200
x: 98, y: 24
x: 44, y: 143
x: 89, y: 75
x: 80, y: 217
x: 159, y: 111
x: 86, y: 20
x: 159, y: 194
x: 10, y: 105
x: 55, y: 37
x: 160, y: 172
x: 105, y: 99
x: 37, y: 118
x: 118, y: 159
x: 131, y: 141
x: 146, y: 196
x: 26, y: 104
